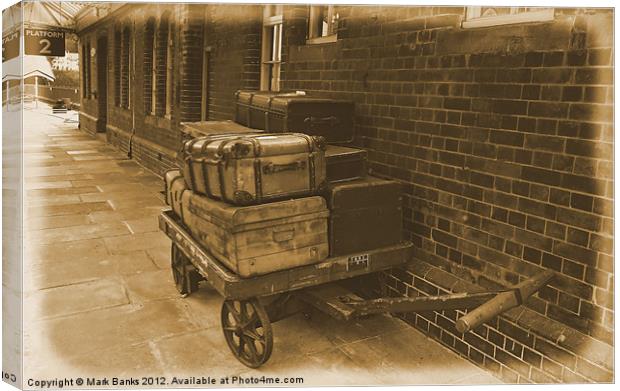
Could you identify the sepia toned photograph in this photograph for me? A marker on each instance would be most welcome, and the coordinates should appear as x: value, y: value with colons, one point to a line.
x: 220, y: 194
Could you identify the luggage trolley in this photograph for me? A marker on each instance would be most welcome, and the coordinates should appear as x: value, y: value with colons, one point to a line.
x: 251, y: 305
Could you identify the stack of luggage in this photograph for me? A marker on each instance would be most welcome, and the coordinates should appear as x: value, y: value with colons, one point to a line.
x: 285, y: 192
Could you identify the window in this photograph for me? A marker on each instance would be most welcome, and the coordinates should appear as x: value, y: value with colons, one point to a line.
x: 204, y: 97
x: 125, y: 67
x: 149, y: 66
x: 86, y: 70
x: 169, y: 69
x: 271, y: 52
x: 495, y: 16
x: 162, y: 94
x: 117, y: 66
x: 322, y: 24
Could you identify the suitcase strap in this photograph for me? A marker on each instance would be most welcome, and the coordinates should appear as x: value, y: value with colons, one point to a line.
x: 312, y: 170
x: 267, y: 113
x: 249, y: 117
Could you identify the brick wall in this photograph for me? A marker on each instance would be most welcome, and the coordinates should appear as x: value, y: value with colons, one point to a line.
x: 503, y: 137
x: 233, y: 36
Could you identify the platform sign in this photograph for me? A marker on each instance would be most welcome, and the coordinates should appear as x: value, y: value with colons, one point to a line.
x: 10, y: 46
x: 43, y: 42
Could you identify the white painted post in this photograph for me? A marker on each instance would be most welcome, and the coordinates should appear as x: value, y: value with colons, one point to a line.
x: 36, y: 92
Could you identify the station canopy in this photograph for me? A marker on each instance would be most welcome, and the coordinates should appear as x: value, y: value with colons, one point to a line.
x: 27, y: 66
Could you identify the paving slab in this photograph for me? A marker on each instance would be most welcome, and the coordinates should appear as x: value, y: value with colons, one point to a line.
x: 141, y: 241
x: 78, y: 232
x: 47, y: 185
x: 160, y: 256
x: 151, y: 285
x: 67, y: 209
x: 54, y: 274
x: 137, y: 203
x: 52, y: 200
x: 78, y: 251
x: 203, y: 307
x: 146, y: 224
x: 116, y: 195
x: 203, y: 351
x: 117, y: 326
x: 134, y: 262
x: 62, y: 191
x: 45, y: 222
x: 124, y: 214
x: 74, y: 298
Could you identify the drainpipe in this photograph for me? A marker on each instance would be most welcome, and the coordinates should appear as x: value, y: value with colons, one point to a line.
x: 132, y: 85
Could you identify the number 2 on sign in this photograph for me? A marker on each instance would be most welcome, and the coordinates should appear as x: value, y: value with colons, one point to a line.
x: 46, y: 46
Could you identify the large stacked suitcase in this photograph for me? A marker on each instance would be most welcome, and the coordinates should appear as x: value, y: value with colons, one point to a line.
x: 259, y: 239
x: 365, y: 214
x: 254, y: 168
x: 344, y: 163
x: 278, y: 112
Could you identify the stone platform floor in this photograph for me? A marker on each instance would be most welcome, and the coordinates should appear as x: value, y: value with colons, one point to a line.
x: 100, y: 301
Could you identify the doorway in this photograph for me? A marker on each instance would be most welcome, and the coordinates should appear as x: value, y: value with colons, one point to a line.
x: 102, y: 83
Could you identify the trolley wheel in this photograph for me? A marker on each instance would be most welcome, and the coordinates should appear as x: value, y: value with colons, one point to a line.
x: 185, y: 275
x: 247, y: 330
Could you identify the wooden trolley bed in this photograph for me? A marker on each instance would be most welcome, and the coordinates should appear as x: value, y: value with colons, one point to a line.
x: 251, y: 305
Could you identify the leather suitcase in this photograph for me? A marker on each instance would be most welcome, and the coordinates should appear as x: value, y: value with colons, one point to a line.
x: 344, y: 163
x: 174, y: 187
x: 365, y: 214
x: 259, y: 239
x: 291, y: 112
x: 251, y: 169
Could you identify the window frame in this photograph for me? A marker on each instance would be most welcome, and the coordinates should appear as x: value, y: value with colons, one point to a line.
x: 118, y: 39
x: 474, y: 20
x: 86, y: 70
x: 169, y: 68
x: 126, y: 65
x: 315, y: 36
x: 271, y: 48
x: 153, y: 74
x: 150, y: 31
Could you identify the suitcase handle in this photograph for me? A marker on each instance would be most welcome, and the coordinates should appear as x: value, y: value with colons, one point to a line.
x: 284, y: 235
x: 271, y: 168
x: 314, y: 121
